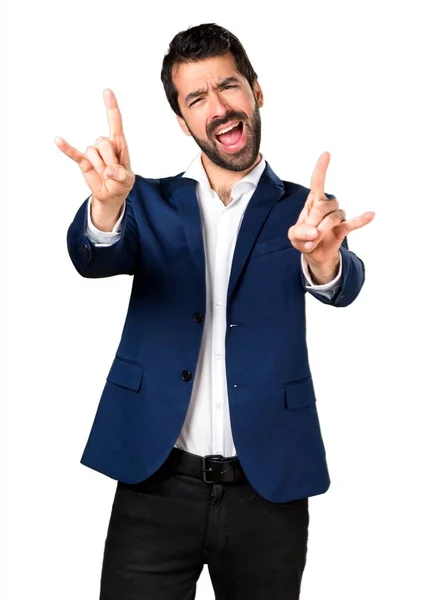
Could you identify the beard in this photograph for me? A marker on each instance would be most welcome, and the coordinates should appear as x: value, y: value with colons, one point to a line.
x: 247, y: 155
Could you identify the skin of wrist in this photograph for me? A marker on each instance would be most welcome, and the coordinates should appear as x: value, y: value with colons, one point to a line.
x: 323, y: 272
x: 104, y: 219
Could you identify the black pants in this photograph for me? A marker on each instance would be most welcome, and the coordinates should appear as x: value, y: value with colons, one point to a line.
x: 159, y: 538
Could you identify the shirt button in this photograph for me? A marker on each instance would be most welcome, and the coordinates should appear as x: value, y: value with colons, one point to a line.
x: 218, y: 405
x: 218, y: 305
x: 218, y: 356
x: 198, y: 317
x: 186, y: 375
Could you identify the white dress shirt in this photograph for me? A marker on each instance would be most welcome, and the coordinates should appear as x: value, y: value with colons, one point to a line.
x: 207, y: 427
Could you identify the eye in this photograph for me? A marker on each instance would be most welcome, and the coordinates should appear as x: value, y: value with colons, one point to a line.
x: 198, y: 100
x: 227, y: 87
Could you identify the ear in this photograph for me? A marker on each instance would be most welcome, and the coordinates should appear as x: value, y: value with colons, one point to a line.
x: 183, y: 125
x: 258, y: 94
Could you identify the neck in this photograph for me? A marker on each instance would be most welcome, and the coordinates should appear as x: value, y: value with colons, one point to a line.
x: 224, y: 179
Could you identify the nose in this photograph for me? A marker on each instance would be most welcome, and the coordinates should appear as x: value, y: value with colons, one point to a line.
x: 217, y: 106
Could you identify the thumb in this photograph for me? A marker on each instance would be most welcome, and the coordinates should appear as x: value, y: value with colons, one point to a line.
x: 116, y: 173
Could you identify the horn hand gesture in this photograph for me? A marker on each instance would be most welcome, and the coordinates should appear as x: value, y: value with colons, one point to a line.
x: 105, y: 167
x: 322, y: 227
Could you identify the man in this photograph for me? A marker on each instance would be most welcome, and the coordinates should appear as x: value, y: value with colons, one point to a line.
x: 208, y: 419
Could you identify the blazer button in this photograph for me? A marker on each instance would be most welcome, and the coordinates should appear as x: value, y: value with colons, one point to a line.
x: 198, y: 317
x: 186, y: 375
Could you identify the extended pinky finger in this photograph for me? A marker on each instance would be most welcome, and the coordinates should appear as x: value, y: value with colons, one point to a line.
x: 68, y: 150
x: 356, y: 223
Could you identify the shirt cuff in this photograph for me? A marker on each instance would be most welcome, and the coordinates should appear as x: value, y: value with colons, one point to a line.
x: 324, y: 287
x: 103, y: 238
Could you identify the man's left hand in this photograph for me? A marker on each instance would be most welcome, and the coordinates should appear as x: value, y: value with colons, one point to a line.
x: 321, y: 227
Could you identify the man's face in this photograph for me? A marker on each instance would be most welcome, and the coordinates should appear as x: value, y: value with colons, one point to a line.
x: 213, y: 97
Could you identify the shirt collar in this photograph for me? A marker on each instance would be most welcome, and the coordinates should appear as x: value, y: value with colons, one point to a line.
x: 197, y: 172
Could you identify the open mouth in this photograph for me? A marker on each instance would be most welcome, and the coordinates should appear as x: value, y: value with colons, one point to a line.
x: 231, y: 137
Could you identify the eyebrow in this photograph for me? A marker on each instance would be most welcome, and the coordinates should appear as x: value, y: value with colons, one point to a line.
x: 201, y: 92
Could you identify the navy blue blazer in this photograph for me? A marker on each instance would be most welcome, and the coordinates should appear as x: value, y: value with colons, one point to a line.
x: 273, y: 412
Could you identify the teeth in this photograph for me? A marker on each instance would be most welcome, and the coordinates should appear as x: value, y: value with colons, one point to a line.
x: 227, y: 129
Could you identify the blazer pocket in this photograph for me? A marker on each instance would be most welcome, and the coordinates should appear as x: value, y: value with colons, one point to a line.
x: 300, y: 394
x: 125, y: 374
x: 273, y: 245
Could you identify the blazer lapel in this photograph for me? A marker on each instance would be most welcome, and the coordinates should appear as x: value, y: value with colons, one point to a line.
x: 269, y: 190
x: 183, y: 190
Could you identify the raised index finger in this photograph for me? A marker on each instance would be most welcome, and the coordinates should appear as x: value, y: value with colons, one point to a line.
x: 113, y: 114
x: 318, y: 178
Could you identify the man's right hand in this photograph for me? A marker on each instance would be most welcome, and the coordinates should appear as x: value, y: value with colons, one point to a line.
x: 106, y: 168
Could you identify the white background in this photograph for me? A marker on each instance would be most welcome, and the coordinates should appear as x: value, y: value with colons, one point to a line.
x: 342, y: 77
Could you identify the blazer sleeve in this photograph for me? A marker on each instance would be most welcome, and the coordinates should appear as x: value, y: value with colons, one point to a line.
x: 352, y: 280
x: 93, y: 261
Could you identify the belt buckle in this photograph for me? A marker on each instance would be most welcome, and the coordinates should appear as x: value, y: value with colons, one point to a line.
x: 217, y: 457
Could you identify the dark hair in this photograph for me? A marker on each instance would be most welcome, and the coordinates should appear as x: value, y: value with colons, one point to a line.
x: 197, y: 43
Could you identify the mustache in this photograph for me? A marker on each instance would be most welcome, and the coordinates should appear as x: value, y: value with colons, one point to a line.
x: 231, y: 116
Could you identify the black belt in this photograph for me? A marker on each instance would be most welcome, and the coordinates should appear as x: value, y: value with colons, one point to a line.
x: 213, y: 468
